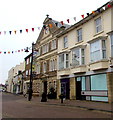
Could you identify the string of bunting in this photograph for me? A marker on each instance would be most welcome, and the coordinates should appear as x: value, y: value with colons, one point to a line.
x: 108, y: 5
x: 14, y: 51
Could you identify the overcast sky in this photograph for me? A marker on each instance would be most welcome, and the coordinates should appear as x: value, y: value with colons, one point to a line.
x: 27, y: 14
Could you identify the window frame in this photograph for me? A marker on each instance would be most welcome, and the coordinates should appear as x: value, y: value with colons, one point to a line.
x: 98, y: 25
x: 65, y: 62
x: 81, y: 57
x: 65, y: 42
x: 79, y: 35
x: 111, y: 36
x: 101, y: 49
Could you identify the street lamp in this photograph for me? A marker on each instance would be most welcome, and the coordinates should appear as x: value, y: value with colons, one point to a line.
x: 30, y: 91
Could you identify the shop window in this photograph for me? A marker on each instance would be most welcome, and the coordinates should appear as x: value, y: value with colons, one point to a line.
x: 97, y: 98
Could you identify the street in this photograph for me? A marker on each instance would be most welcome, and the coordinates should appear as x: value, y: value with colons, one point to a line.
x: 17, y: 106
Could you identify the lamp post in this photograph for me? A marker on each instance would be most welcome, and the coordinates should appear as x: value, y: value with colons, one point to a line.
x: 30, y: 91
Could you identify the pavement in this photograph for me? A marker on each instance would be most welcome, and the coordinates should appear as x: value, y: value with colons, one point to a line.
x: 87, y: 105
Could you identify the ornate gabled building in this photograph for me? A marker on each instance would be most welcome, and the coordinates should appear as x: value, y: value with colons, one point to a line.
x: 46, y: 58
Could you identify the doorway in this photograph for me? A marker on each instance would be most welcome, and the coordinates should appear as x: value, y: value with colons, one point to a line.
x: 78, y: 90
x: 65, y: 88
x: 45, y: 87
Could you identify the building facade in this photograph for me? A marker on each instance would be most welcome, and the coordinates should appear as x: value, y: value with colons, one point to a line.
x: 85, y: 58
x: 46, y: 57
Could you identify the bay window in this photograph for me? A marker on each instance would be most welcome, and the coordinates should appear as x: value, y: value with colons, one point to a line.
x: 98, y: 50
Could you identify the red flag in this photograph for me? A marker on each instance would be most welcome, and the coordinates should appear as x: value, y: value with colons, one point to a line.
x: 0, y: 33
x: 68, y: 20
x: 109, y: 6
x: 33, y: 29
x: 26, y: 30
x: 62, y: 22
x: 0, y: 52
x: 22, y: 50
x: 82, y: 16
x: 8, y: 52
x: 18, y: 50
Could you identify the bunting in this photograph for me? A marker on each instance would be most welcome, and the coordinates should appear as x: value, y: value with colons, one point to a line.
x: 50, y: 25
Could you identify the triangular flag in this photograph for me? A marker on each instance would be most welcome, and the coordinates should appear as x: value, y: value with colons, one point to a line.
x: 87, y: 14
x: 93, y: 12
x: 82, y: 16
x: 10, y: 32
x: 22, y: 50
x: 98, y: 10
x: 109, y: 6
x: 26, y: 30
x: 8, y: 52
x: 4, y: 52
x: 56, y: 24
x: 50, y: 25
x: 62, y: 22
x: 20, y: 31
x: 4, y: 32
x: 0, y: 52
x: 0, y: 33
x: 33, y: 29
x: 104, y: 8
x: 18, y: 50
x: 38, y: 28
x: 15, y: 31
x: 68, y: 20
x: 12, y: 51
x: 74, y: 18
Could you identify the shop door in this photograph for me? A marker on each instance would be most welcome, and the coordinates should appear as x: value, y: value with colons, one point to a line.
x: 65, y: 88
x: 78, y: 90
x: 45, y: 87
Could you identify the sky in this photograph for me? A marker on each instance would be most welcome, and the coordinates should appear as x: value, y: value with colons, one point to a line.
x: 26, y: 14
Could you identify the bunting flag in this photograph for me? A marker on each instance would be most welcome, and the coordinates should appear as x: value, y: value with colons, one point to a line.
x: 15, y: 31
x: 82, y: 16
x: 10, y: 32
x: 98, y: 10
x: 56, y: 24
x: 109, y: 6
x: 33, y: 29
x: 27, y: 30
x: 0, y: 33
x: 44, y: 26
x: 87, y: 14
x: 4, y: 32
x: 0, y: 52
x: 20, y: 31
x: 93, y: 12
x: 74, y: 18
x: 68, y: 20
x: 62, y: 22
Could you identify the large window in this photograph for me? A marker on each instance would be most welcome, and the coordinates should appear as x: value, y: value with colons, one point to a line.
x: 52, y: 65
x: 53, y: 44
x: 98, y: 50
x: 98, y: 25
x: 38, y: 69
x: 65, y: 42
x: 63, y: 61
x: 78, y: 56
x: 112, y: 45
x: 98, y: 82
x: 45, y: 48
x: 79, y: 35
x: 44, y: 67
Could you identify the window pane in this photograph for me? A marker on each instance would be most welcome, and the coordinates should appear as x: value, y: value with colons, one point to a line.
x: 98, y: 25
x: 79, y: 33
x: 103, y: 54
x: 65, y: 42
x: 99, y: 82
x: 83, y: 83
